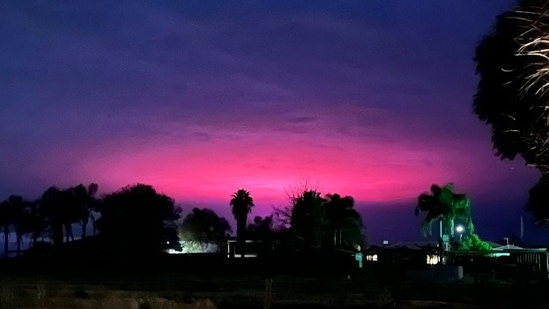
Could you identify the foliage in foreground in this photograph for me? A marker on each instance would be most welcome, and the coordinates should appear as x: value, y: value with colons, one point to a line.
x: 513, y: 91
x: 202, y: 227
x: 137, y: 218
x: 445, y: 205
x: 473, y: 243
x: 325, y: 222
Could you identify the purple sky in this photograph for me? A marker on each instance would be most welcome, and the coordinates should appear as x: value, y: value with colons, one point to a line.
x: 199, y: 98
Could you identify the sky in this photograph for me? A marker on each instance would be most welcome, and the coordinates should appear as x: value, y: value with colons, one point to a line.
x: 371, y: 99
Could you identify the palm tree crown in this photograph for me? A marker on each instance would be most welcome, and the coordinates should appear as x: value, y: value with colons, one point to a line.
x: 443, y: 204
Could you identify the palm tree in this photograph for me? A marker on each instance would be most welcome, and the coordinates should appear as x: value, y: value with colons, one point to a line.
x: 344, y: 221
x: 35, y: 222
x: 444, y: 205
x: 6, y: 219
x: 241, y: 205
x: 84, y: 199
x: 52, y: 205
x: 18, y: 206
x: 69, y: 211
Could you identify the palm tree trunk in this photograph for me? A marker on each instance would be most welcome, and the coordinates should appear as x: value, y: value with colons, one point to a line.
x: 18, y: 243
x: 241, y: 235
x: 68, y: 231
x: 440, y: 242
x: 57, y: 233
x: 6, y: 240
x: 84, y: 225
x: 93, y: 223
x: 35, y: 237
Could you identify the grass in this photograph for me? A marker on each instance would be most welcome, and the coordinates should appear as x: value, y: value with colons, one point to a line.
x: 177, y: 290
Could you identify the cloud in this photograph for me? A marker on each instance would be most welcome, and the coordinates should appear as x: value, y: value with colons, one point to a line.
x: 203, y: 98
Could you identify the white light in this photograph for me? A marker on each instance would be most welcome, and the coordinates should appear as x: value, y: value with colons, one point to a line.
x: 459, y: 228
x: 433, y: 259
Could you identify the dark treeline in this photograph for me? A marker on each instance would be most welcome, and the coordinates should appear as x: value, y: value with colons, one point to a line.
x: 138, y: 218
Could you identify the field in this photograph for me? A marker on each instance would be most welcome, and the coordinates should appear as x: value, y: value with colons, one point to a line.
x: 192, y: 287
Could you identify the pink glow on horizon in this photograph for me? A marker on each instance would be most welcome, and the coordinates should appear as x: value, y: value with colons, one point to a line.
x: 267, y: 164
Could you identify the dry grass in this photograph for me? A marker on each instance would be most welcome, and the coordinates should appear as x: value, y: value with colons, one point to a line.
x: 44, y: 295
x: 179, y: 291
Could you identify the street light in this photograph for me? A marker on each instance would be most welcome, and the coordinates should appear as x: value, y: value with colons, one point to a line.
x: 460, y: 230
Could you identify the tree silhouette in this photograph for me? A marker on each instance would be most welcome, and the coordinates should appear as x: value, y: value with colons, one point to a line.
x: 35, y: 222
x: 136, y: 218
x: 6, y: 220
x: 539, y: 200
x: 20, y: 214
x: 84, y: 201
x: 203, y: 226
x: 344, y: 222
x: 55, y: 206
x: 308, y: 220
x: 261, y: 228
x: 283, y: 215
x: 241, y: 205
x: 512, y: 95
x: 513, y: 91
x: 329, y: 222
x: 445, y: 205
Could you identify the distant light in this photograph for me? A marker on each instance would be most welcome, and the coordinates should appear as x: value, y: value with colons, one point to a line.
x: 460, y: 228
x: 433, y: 259
x: 173, y: 251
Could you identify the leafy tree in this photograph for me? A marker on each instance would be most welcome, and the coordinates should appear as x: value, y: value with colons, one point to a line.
x: 55, y: 205
x: 473, y: 243
x: 325, y: 222
x: 513, y: 92
x: 241, y: 205
x: 84, y: 201
x: 265, y: 231
x: 308, y: 219
x: 445, y: 205
x: 261, y: 228
x: 282, y: 215
x: 344, y: 222
x: 136, y: 218
x: 203, y: 227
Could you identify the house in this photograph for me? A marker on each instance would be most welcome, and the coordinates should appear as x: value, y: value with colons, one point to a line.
x: 418, y: 253
x: 514, y: 260
x: 504, y: 261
